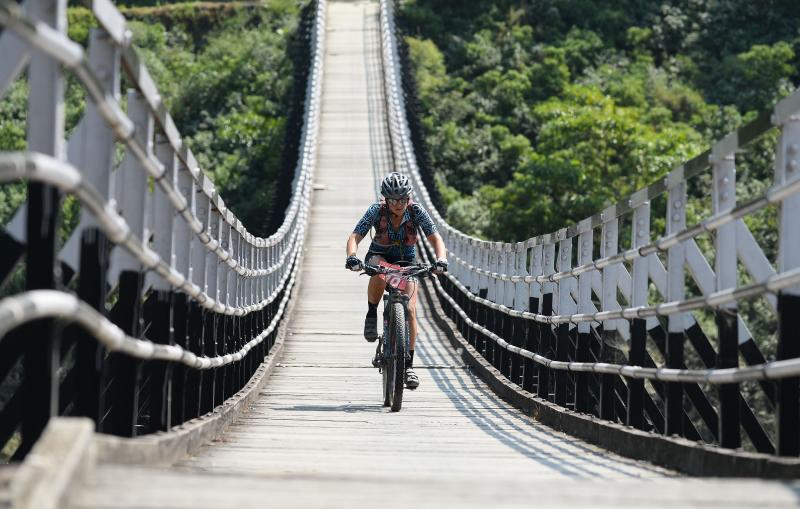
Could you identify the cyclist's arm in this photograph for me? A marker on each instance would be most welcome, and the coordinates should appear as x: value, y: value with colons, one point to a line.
x: 438, y: 245
x: 362, y: 228
x: 352, y: 243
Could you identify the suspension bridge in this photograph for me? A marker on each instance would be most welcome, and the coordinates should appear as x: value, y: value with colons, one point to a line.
x: 165, y: 356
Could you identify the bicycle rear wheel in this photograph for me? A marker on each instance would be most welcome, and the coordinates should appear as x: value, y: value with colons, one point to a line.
x: 397, y: 334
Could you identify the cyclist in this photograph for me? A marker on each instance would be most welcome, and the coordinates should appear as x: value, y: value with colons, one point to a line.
x: 396, y: 220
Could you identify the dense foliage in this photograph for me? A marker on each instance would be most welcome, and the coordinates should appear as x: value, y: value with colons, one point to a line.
x: 539, y: 113
x: 225, y: 72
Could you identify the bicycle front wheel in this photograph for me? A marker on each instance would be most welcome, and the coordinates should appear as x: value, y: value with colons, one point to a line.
x: 388, y: 374
x: 397, y: 342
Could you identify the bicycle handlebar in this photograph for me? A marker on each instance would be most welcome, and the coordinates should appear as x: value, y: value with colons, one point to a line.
x: 407, y: 271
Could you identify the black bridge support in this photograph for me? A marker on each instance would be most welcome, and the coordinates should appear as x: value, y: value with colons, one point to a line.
x: 729, y: 395
x: 788, y: 393
x: 180, y: 393
x: 518, y: 340
x: 530, y: 369
x: 127, y: 314
x: 543, y: 384
x: 158, y: 314
x: 41, y: 341
x: 607, y: 408
x: 561, y: 376
x: 482, y: 342
x: 674, y: 402
x: 90, y: 356
x: 583, y: 401
x: 636, y: 355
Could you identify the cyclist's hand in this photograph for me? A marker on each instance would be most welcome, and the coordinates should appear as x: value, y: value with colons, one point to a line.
x: 440, y: 267
x: 353, y: 263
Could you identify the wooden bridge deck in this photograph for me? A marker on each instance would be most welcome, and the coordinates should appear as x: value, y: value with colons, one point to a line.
x: 319, y: 437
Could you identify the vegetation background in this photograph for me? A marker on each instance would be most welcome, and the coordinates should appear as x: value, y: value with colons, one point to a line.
x: 540, y: 112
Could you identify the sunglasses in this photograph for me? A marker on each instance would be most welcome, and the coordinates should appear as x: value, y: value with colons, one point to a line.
x: 400, y: 201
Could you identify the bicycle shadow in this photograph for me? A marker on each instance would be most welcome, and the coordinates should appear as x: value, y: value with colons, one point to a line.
x: 346, y: 408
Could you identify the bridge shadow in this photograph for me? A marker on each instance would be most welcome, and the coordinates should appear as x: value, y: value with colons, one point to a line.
x: 347, y: 408
x: 534, y: 441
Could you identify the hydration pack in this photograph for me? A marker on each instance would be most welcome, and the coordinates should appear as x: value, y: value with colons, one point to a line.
x: 382, y: 229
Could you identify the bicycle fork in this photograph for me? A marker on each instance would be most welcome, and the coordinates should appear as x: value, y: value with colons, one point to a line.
x: 379, y: 360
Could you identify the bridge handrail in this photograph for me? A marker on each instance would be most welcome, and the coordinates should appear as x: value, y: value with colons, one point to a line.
x: 772, y: 196
x: 492, y: 285
x: 37, y: 304
x: 41, y: 168
x: 767, y: 371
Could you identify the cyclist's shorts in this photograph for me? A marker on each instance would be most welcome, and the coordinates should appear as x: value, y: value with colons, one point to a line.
x: 389, y: 258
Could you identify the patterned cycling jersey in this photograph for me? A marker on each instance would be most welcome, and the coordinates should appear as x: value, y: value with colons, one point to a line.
x: 397, y: 249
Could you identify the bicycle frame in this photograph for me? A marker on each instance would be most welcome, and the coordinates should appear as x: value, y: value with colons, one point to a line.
x: 387, y: 354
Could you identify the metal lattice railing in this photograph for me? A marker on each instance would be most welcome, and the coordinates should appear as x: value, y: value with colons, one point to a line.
x: 571, y: 317
x: 197, y: 299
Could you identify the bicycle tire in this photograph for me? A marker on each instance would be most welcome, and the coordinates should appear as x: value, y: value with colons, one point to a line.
x: 387, y: 379
x: 397, y: 329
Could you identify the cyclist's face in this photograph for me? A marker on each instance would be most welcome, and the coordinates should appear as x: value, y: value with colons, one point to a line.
x: 397, y: 206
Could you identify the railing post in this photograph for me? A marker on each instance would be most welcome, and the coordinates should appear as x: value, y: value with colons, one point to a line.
x: 95, y: 140
x: 676, y: 258
x: 160, y: 305
x: 545, y: 329
x: 247, y: 324
x: 492, y: 320
x: 640, y: 235
x: 90, y: 356
x: 481, y: 341
x: 582, y: 351
x: 530, y: 369
x: 520, y: 300
x: 474, y: 288
x: 609, y: 246
x: 232, y: 297
x: 131, y: 192
x: 270, y: 286
x: 565, y: 305
x: 457, y: 247
x: 505, y: 296
x: 724, y: 200
x: 97, y: 159
x: 223, y: 324
x: 208, y: 394
x: 787, y: 170
x: 235, y: 291
x: 46, y: 136
x: 264, y: 294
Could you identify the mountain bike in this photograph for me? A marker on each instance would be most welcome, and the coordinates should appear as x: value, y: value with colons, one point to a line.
x: 390, y: 357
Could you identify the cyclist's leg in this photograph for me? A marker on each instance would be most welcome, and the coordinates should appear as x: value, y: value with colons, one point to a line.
x: 411, y: 291
x: 374, y: 294
x: 376, y: 285
x: 412, y: 381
